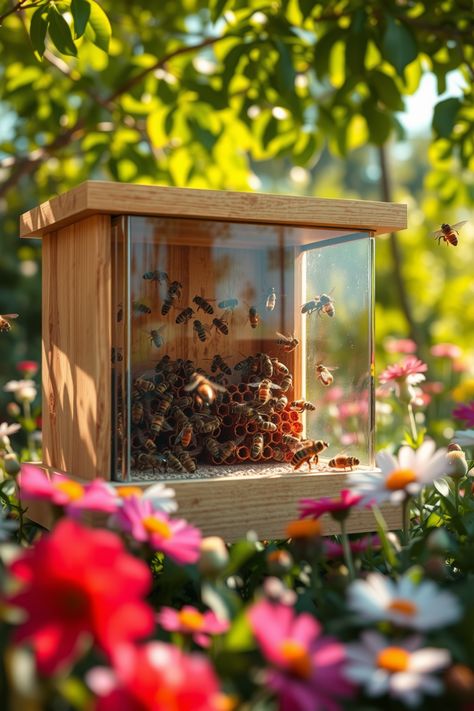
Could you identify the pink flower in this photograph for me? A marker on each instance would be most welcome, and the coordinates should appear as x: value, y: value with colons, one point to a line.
x: 79, y: 586
x: 435, y: 387
x: 335, y: 507
x: 27, y: 367
x: 96, y: 495
x: 446, y: 350
x: 411, y: 368
x: 307, y: 668
x: 333, y: 549
x: 200, y: 625
x: 174, y: 537
x: 400, y: 345
x: 466, y: 413
x: 155, y: 677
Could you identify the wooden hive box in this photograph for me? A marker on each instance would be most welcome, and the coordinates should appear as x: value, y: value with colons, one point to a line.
x: 124, y: 265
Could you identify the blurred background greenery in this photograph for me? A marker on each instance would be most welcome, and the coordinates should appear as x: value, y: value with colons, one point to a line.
x: 354, y: 99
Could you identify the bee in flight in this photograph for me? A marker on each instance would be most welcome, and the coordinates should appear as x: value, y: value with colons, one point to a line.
x: 206, y: 389
x: 228, y: 304
x: 449, y: 233
x: 156, y: 275
x: 288, y: 343
x: 5, y: 325
x: 271, y: 299
x: 323, y: 374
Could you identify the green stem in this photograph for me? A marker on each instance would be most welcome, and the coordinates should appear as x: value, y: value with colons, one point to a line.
x: 411, y: 417
x: 346, y: 547
x: 406, y: 521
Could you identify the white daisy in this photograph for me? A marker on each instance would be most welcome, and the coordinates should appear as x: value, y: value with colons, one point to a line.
x: 23, y: 390
x: 402, y: 670
x: 162, y: 497
x: 5, y: 430
x: 465, y: 438
x: 421, y: 606
x: 400, y: 477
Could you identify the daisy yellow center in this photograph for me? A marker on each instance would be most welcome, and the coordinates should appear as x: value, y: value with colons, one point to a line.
x: 399, y: 479
x: 155, y: 525
x: 126, y: 491
x: 72, y: 489
x: 296, y: 657
x: 393, y: 659
x: 405, y: 607
x: 191, y: 619
x: 303, y: 528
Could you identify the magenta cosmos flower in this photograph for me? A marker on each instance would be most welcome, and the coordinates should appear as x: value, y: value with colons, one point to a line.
x: 174, y: 537
x: 336, y: 507
x: 332, y: 549
x: 155, y: 677
x: 189, y: 621
x: 307, y: 668
x: 466, y: 413
x: 411, y: 368
x: 96, y: 495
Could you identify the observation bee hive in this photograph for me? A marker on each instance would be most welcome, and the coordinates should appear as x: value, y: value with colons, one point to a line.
x: 218, y: 341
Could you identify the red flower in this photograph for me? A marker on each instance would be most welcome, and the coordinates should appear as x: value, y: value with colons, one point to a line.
x: 79, y: 586
x: 411, y: 366
x: 27, y: 367
x: 156, y: 677
x: 336, y: 507
x: 466, y: 413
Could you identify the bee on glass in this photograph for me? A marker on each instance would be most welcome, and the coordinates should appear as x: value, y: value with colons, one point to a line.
x: 270, y: 302
x: 221, y: 325
x: 342, y: 462
x: 254, y: 317
x: 218, y: 363
x: 203, y: 304
x: 323, y: 374
x: 302, y: 405
x: 322, y: 304
x: 288, y: 343
x: 200, y: 330
x: 140, y: 308
x: 449, y: 234
x: 157, y: 275
x: 266, y: 365
x: 308, y: 453
x: 185, y: 315
x: 174, y: 292
x: 206, y: 389
x: 265, y: 387
x: 228, y: 304
x: 156, y: 338
x: 5, y: 326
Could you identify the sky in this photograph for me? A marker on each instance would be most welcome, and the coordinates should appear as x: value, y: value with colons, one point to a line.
x: 419, y: 107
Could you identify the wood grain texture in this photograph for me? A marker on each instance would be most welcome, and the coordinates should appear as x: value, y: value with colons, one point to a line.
x: 77, y: 347
x: 230, y: 507
x: 94, y: 197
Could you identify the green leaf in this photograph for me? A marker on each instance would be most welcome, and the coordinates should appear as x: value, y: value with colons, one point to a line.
x: 81, y: 11
x: 306, y: 7
x: 387, y: 546
x: 60, y: 32
x: 444, y: 116
x: 322, y: 51
x: 38, y: 28
x: 99, y: 22
x: 386, y: 90
x: 379, y: 123
x: 217, y: 8
x: 398, y: 44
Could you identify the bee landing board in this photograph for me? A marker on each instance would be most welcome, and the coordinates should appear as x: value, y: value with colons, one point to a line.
x: 219, y: 341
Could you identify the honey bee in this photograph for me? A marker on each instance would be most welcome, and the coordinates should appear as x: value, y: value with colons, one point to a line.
x: 254, y: 318
x: 278, y: 454
x: 137, y: 412
x: 140, y: 308
x: 265, y: 387
x: 149, y: 444
x: 158, y: 419
x: 166, y: 383
x: 323, y: 374
x: 342, y: 462
x: 205, y: 424
x: 256, y: 448
x: 266, y: 365
x: 144, y: 385
x: 173, y: 461
x: 289, y: 343
x: 5, y: 326
x: 156, y: 338
x: 164, y: 364
x: 266, y: 425
x: 156, y: 276
x: 279, y: 368
x: 228, y: 304
x: 281, y: 403
x: 186, y: 461
x: 203, y: 304
x: 174, y: 292
x: 302, y: 405
x: 308, y: 453
x: 213, y: 447
x: 206, y: 389
x: 321, y: 304
x: 185, y: 437
x: 221, y: 325
x: 185, y: 315
x: 227, y: 449
x: 151, y: 461
x: 448, y: 233
x: 184, y: 401
x: 291, y: 441
x: 270, y: 302
x: 219, y: 363
x: 286, y: 382
x: 243, y: 364
x: 116, y: 355
x: 200, y: 329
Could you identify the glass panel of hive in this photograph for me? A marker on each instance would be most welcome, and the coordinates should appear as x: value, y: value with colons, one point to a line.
x: 247, y: 349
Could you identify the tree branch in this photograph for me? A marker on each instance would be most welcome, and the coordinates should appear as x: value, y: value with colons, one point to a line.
x: 16, y: 8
